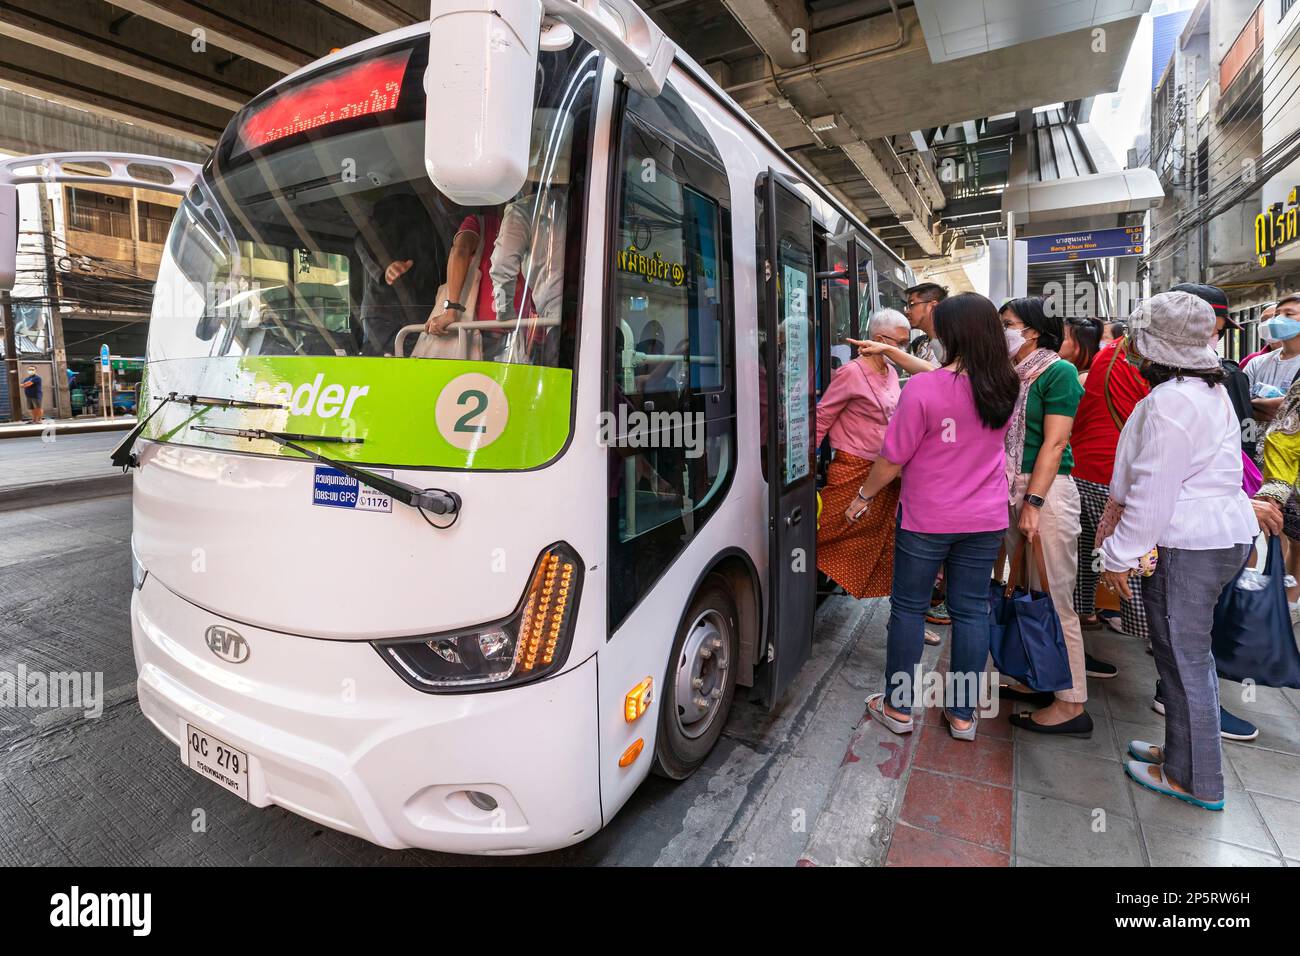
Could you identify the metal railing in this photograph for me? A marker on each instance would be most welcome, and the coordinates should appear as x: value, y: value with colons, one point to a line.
x: 154, y: 230
x: 105, y: 222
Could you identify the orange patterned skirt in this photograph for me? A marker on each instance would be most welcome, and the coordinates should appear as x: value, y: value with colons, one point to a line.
x: 858, y: 556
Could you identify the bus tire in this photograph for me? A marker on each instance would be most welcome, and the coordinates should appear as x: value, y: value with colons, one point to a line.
x: 700, y: 682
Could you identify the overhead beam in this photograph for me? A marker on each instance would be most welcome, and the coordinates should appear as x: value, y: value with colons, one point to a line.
x: 254, y: 31
x: 85, y: 87
x: 61, y: 38
x: 31, y: 124
x: 377, y: 15
x: 882, y: 168
x: 780, y: 28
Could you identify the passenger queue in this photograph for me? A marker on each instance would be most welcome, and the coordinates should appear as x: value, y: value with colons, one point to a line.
x: 1063, y: 455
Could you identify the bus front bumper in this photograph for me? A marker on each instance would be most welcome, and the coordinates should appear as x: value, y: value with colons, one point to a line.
x: 332, y: 734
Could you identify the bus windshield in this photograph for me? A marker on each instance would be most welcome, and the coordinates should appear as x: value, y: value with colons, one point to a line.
x: 316, y: 232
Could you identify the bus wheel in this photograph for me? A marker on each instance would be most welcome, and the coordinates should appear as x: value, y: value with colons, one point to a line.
x: 701, y: 682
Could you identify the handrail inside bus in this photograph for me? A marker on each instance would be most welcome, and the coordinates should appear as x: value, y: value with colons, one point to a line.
x: 470, y: 325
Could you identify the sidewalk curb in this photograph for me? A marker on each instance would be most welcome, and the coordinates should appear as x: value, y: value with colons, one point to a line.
x: 856, y: 824
x: 64, y: 427
x: 68, y: 489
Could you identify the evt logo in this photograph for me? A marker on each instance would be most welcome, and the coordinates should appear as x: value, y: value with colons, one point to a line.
x: 226, y: 643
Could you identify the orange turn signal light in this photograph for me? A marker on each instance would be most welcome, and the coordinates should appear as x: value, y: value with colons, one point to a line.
x: 631, y: 753
x: 637, y: 700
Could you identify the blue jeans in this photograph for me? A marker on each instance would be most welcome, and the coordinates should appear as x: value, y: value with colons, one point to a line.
x: 968, y: 563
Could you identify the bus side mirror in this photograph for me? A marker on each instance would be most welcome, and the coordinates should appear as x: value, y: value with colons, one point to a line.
x: 481, y: 74
x: 8, y: 236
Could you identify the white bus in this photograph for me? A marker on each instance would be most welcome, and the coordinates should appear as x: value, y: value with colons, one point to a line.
x: 467, y: 602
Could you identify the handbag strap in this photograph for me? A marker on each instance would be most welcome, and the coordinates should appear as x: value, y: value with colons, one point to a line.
x: 1018, y: 569
x: 1105, y: 391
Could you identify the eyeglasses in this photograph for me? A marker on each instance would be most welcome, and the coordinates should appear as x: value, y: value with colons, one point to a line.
x: 897, y: 343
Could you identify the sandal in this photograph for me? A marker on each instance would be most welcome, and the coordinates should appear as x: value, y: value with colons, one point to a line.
x: 1147, y: 753
x: 957, y: 732
x: 1140, y: 773
x: 932, y: 638
x: 876, y: 708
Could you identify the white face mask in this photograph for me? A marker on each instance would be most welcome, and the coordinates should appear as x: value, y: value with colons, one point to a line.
x: 1015, y: 340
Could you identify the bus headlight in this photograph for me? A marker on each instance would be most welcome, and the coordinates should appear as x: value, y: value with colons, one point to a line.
x: 533, y: 642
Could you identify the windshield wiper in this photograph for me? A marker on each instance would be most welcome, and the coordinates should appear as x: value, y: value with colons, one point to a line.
x: 434, y: 500
x: 122, y: 455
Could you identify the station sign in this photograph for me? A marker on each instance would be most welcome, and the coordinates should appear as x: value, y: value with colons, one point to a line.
x: 1094, y: 244
x: 1276, y: 227
x: 103, y: 357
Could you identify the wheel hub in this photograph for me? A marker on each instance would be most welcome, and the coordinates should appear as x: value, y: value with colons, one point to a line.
x: 702, y: 673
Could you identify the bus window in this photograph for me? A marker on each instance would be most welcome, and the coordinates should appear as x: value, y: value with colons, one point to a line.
x: 669, y: 301
x: 892, y: 294
x: 836, y: 295
x: 323, y: 236
x: 865, y: 302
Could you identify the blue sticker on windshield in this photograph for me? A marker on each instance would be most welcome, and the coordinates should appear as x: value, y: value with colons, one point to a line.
x: 333, y: 489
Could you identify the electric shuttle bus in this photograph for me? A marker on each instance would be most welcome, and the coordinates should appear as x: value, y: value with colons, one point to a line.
x: 463, y: 590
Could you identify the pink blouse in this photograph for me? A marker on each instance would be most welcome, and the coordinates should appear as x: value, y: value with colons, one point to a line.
x: 856, y: 408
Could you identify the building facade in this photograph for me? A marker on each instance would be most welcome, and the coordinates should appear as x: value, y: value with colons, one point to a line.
x: 1225, y: 141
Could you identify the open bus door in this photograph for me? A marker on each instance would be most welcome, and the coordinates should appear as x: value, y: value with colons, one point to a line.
x: 787, y: 333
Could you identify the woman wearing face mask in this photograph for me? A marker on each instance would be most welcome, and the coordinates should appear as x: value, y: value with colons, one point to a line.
x: 1281, y: 446
x: 1272, y: 373
x: 1043, y: 497
x: 1266, y: 344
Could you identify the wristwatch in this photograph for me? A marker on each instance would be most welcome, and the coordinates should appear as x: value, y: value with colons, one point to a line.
x: 448, y: 305
x: 1035, y: 500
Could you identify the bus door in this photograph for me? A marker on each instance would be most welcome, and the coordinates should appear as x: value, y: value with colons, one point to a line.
x: 788, y: 268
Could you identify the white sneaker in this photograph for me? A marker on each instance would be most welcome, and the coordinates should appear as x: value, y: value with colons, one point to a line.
x: 1295, y: 613
x: 1289, y: 581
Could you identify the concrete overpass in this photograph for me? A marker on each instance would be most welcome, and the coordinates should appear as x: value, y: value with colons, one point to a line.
x: 870, y: 95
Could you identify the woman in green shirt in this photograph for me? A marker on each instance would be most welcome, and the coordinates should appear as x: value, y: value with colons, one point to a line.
x: 1043, y: 497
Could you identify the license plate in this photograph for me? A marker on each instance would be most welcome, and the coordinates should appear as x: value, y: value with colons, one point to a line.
x: 217, y: 760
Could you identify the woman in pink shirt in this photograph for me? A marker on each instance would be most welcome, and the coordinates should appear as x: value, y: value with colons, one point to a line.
x: 947, y: 441
x: 854, y: 411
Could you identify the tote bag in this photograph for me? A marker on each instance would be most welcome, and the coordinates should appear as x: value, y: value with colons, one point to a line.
x: 1252, y: 637
x: 1025, y: 636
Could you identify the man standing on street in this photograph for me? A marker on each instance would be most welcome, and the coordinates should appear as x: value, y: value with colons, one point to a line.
x: 32, y: 389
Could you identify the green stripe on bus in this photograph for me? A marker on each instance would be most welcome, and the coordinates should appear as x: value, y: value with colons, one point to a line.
x: 438, y: 413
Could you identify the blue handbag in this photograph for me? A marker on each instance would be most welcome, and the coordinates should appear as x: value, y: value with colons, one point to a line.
x: 1025, y: 636
x: 1252, y: 637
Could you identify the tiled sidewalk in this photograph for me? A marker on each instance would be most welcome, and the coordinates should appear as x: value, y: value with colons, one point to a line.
x: 1024, y: 799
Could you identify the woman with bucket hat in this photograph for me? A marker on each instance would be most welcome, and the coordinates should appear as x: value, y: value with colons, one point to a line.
x: 1177, y: 478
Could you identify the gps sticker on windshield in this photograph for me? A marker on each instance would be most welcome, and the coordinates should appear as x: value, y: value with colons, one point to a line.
x: 333, y: 489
